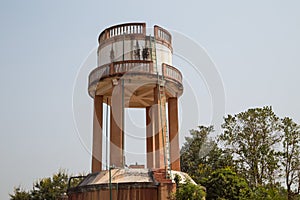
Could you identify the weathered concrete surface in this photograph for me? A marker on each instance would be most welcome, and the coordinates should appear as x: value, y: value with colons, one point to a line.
x: 127, y: 184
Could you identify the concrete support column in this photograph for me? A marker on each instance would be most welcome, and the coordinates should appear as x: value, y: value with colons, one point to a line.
x: 173, y: 133
x: 159, y: 109
x: 116, y: 126
x: 150, y: 137
x: 97, y: 134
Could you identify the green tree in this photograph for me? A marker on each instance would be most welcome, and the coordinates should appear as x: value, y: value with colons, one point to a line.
x: 269, y: 192
x: 200, y: 156
x: 291, y: 156
x: 20, y: 194
x: 226, y: 184
x: 189, y: 191
x: 51, y: 188
x: 251, y: 136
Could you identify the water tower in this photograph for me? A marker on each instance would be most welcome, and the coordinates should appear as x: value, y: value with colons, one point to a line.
x: 134, y: 71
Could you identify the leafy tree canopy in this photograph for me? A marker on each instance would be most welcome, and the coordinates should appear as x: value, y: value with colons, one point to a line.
x: 200, y: 156
x: 51, y: 188
x: 225, y: 184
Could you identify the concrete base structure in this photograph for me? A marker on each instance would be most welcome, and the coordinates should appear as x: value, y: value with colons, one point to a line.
x: 126, y: 184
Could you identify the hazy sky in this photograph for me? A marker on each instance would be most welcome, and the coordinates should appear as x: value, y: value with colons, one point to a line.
x: 254, y: 44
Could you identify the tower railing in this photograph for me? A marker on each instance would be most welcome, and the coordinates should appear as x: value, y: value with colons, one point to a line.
x: 129, y: 28
x: 162, y: 35
x: 120, y: 68
x: 133, y: 66
x: 170, y: 72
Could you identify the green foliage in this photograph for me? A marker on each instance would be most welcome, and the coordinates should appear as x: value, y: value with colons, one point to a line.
x: 268, y: 192
x: 251, y: 137
x: 51, y: 188
x: 200, y: 156
x: 226, y: 184
x: 177, y: 179
x: 291, y: 155
x: 20, y: 194
x: 189, y: 191
x: 47, y: 188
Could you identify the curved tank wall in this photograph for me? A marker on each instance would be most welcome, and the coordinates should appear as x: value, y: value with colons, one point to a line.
x: 124, y: 47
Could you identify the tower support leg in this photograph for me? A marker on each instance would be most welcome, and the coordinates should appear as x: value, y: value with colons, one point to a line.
x: 173, y: 133
x: 116, y: 128
x: 159, y: 109
x: 97, y: 134
x: 150, y: 137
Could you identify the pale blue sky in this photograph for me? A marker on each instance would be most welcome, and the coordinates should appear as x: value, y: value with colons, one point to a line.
x: 254, y: 44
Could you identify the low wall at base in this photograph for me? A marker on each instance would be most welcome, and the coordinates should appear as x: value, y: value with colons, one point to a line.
x: 126, y: 184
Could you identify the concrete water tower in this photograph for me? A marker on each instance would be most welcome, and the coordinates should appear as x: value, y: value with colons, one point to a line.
x: 134, y: 71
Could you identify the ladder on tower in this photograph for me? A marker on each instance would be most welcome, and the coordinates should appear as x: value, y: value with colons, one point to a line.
x: 166, y: 137
x: 153, y: 54
x: 162, y: 109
